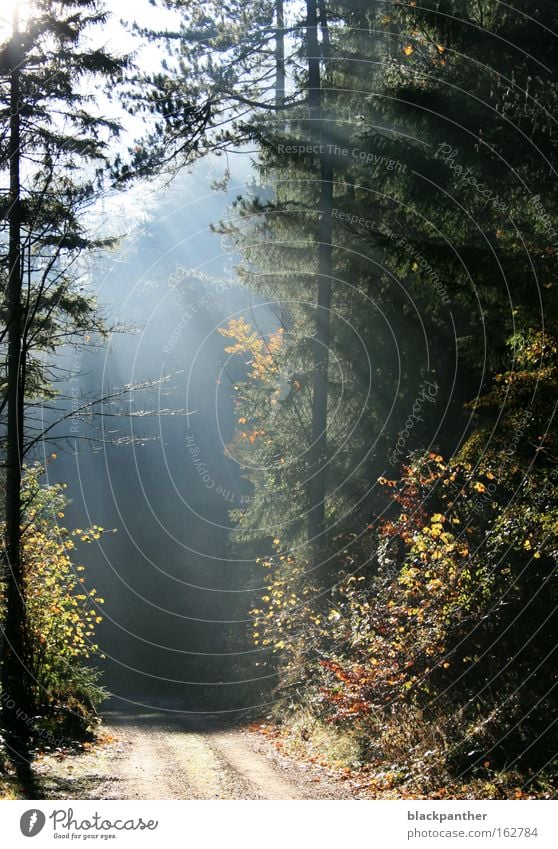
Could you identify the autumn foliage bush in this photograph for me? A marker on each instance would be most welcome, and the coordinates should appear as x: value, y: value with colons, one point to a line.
x: 439, y: 646
x: 62, y: 613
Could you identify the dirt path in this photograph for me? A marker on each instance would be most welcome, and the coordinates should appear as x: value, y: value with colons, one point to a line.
x: 161, y: 755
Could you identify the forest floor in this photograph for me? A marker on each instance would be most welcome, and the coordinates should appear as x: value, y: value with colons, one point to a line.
x: 152, y: 754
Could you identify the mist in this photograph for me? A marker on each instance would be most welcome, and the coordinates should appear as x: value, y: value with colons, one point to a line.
x: 176, y: 621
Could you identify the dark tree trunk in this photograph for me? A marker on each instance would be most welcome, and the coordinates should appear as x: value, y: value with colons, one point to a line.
x: 280, y: 53
x: 16, y: 690
x: 318, y: 452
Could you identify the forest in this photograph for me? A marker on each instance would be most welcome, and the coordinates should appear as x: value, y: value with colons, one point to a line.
x: 278, y: 372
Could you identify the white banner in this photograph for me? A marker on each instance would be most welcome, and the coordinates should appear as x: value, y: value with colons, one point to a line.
x: 280, y: 824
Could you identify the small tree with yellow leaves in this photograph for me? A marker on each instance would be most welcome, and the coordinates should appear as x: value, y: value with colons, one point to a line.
x: 62, y: 613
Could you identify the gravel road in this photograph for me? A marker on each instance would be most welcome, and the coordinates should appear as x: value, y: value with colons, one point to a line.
x: 156, y: 754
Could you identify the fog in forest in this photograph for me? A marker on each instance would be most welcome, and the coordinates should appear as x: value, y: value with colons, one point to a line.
x: 176, y: 596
